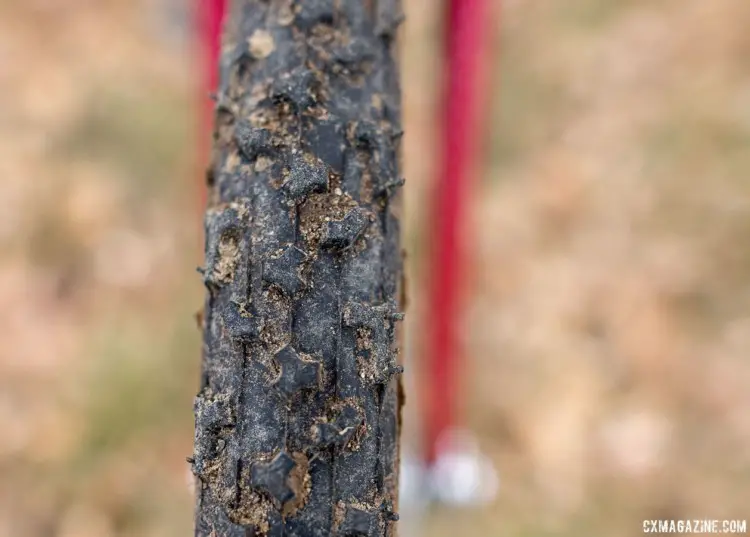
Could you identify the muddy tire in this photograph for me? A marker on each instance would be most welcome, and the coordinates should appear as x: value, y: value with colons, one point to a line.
x: 297, y: 418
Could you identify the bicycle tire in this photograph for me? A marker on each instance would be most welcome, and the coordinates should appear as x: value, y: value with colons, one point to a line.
x: 298, y: 415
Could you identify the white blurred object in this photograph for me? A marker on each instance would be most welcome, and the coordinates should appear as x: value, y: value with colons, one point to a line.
x: 461, y: 475
x: 413, y: 495
x: 412, y: 482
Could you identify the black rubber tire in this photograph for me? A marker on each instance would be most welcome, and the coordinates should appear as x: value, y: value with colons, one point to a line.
x: 298, y: 415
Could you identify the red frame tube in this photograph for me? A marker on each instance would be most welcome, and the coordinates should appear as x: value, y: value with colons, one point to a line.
x: 468, y: 26
x: 210, y: 16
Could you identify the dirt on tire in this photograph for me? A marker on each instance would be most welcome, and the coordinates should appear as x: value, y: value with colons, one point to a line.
x: 297, y: 418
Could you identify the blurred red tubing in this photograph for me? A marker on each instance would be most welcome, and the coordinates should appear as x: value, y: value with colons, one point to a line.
x: 468, y: 28
x: 210, y: 14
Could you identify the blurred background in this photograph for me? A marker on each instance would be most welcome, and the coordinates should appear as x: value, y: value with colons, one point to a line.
x: 607, y: 332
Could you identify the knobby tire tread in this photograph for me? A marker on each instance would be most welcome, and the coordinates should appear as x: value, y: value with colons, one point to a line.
x: 298, y: 413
